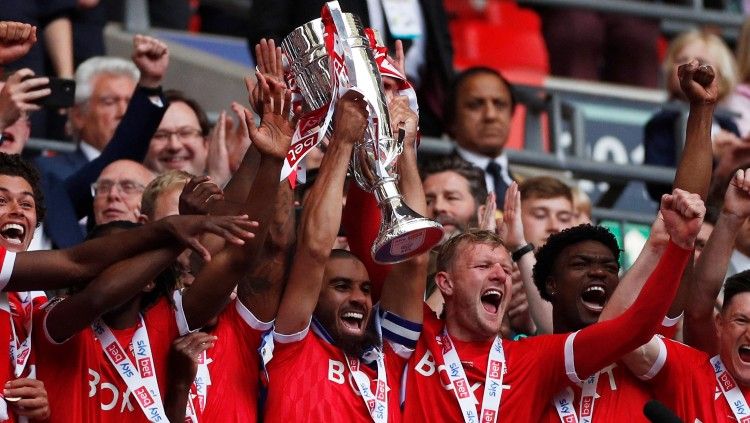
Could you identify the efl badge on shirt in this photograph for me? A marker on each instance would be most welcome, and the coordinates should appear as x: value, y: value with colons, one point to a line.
x: 404, y: 18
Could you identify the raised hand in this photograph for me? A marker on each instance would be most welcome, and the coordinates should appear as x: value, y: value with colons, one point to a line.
x: 238, y: 137
x: 350, y: 118
x: 217, y: 161
x: 486, y: 215
x: 737, y: 197
x: 16, y: 40
x: 198, y: 195
x: 683, y: 215
x: 403, y: 121
x: 274, y: 134
x: 188, y: 229
x: 185, y: 355
x: 27, y: 397
x: 698, y: 83
x: 17, y: 94
x: 151, y: 56
x: 513, y: 236
x: 270, y: 65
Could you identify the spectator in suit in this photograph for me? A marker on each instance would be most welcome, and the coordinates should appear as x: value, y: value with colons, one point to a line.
x: 106, y: 95
x: 478, y: 111
x: 429, y: 52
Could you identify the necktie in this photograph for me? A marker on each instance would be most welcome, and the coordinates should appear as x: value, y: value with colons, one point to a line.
x: 496, y: 171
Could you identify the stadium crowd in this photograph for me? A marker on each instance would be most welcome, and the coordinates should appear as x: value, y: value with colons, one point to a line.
x: 161, y: 272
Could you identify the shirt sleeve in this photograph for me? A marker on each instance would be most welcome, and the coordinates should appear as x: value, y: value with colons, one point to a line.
x: 9, y: 260
x: 401, y: 334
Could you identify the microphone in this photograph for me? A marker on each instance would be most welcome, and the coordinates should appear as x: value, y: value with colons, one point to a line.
x: 657, y: 412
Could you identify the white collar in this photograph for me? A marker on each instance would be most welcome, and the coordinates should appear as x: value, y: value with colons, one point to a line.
x: 482, y: 161
x: 89, y: 150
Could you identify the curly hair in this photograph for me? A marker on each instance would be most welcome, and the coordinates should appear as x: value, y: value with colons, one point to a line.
x: 545, y: 257
x: 15, y: 165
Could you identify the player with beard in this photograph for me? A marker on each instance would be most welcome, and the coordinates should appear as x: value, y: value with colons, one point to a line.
x: 462, y: 370
x: 340, y: 371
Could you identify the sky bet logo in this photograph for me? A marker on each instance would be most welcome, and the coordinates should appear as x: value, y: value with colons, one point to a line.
x: 495, y: 369
x: 144, y: 365
x: 117, y: 354
x: 144, y: 397
x: 488, y: 416
x: 727, y: 384
x: 462, y: 390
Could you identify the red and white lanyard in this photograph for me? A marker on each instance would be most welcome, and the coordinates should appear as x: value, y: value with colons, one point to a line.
x: 140, y: 379
x: 492, y: 384
x: 198, y: 390
x: 377, y: 403
x: 731, y: 391
x: 20, y: 352
x: 565, y: 398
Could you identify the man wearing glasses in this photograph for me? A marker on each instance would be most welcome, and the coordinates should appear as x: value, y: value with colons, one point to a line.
x: 117, y: 193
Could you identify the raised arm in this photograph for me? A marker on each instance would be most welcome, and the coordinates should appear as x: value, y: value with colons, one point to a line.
x: 321, y: 216
x: 541, y: 310
x: 693, y: 175
x: 711, y: 267
x: 216, y: 280
x: 133, y: 135
x: 403, y: 289
x: 16, y: 39
x: 58, y: 269
x: 594, y: 347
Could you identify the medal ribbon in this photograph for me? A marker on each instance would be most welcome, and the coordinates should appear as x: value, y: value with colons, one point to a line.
x: 140, y: 379
x: 493, y: 382
x: 377, y: 403
x: 731, y: 391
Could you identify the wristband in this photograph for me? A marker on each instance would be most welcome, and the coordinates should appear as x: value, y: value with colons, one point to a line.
x: 521, y: 252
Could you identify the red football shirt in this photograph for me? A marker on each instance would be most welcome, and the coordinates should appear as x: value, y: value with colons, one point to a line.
x: 620, y: 397
x: 309, y: 381
x: 687, y: 385
x: 536, y: 371
x: 82, y: 385
x: 234, y: 366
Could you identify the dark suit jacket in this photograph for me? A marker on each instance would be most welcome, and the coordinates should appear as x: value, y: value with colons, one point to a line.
x: 277, y: 18
x: 67, y: 178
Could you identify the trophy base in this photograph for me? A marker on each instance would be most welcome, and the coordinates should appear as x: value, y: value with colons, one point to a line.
x: 406, y: 240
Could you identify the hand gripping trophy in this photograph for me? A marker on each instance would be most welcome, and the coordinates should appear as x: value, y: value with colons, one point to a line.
x: 325, y: 58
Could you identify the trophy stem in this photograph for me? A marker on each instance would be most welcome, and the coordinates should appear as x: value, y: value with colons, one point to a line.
x: 403, y: 233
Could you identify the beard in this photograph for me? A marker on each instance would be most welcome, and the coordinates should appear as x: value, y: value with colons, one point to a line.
x: 352, y: 345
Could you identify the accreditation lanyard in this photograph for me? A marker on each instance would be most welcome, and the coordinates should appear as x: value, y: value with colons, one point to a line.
x: 492, y: 384
x: 198, y: 390
x: 377, y: 403
x: 731, y: 390
x: 564, y: 402
x: 140, y: 379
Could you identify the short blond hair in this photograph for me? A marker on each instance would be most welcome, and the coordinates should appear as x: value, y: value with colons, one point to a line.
x: 161, y: 183
x: 726, y: 71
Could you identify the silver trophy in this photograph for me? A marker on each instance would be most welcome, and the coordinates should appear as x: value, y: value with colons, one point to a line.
x: 403, y: 232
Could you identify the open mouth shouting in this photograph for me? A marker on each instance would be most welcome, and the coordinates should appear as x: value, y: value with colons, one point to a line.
x: 744, y: 353
x: 491, y: 300
x: 353, y: 320
x: 13, y: 233
x: 594, y: 297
